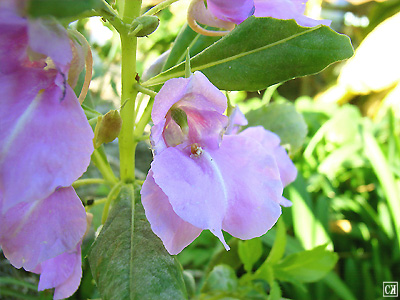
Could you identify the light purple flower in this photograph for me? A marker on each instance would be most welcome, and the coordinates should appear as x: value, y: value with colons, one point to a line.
x: 225, y: 14
x: 45, y: 145
x: 203, y: 105
x: 286, y: 10
x: 235, y: 11
x: 235, y: 186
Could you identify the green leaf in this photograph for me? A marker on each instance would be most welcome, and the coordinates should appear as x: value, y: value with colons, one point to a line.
x: 276, y: 292
x: 60, y: 8
x: 307, y: 227
x: 306, y: 266
x: 221, y: 278
x: 250, y: 252
x: 187, y: 38
x: 278, y: 249
x: 282, y: 119
x: 385, y: 176
x: 264, y: 51
x: 128, y: 261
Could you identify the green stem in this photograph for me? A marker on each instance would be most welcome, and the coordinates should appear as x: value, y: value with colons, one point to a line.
x: 144, y: 120
x: 144, y: 90
x: 86, y: 181
x: 110, y: 198
x: 104, y: 167
x: 159, y: 7
x: 127, y: 144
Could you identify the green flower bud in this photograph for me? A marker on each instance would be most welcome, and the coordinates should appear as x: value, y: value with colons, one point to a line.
x: 107, y: 128
x: 144, y: 25
x: 180, y: 118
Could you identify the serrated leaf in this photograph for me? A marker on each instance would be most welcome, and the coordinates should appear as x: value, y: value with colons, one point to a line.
x: 128, y: 261
x: 250, y: 252
x: 221, y: 278
x: 306, y: 266
x: 264, y: 51
x: 61, y: 8
x: 282, y: 119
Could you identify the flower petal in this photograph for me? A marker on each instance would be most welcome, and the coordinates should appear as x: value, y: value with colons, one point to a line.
x: 235, y: 11
x: 13, y: 40
x: 253, y: 185
x: 271, y: 141
x: 34, y: 232
x: 63, y: 273
x: 175, y: 233
x: 194, y: 187
x: 201, y: 14
x: 286, y: 9
x: 45, y: 142
x: 48, y: 37
x: 195, y: 92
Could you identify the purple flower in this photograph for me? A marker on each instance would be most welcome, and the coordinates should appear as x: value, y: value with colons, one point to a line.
x: 225, y: 14
x: 205, y: 182
x: 45, y: 145
x: 235, y: 11
x: 286, y: 10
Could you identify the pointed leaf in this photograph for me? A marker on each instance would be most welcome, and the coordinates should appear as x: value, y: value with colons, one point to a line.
x: 129, y: 261
x: 264, y: 51
x: 250, y: 252
x: 306, y: 266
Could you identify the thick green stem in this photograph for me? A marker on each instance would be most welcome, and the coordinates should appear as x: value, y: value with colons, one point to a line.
x: 127, y: 143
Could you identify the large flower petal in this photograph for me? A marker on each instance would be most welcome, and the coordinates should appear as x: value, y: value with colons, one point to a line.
x: 253, y: 185
x: 271, y: 141
x: 63, y: 273
x: 286, y: 9
x: 175, y: 233
x: 34, y: 232
x: 235, y: 11
x: 194, y: 187
x: 45, y: 140
x: 13, y: 40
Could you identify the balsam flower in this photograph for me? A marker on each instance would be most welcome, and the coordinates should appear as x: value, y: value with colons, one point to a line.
x: 45, y: 145
x: 227, y: 14
x: 235, y: 186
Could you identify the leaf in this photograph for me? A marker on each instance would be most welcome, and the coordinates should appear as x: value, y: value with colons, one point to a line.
x: 187, y: 38
x: 60, y: 8
x: 221, y: 278
x: 278, y: 249
x: 250, y: 252
x: 306, y: 266
x: 128, y: 261
x: 276, y: 292
x: 307, y: 227
x: 385, y: 176
x: 264, y: 51
x: 282, y: 119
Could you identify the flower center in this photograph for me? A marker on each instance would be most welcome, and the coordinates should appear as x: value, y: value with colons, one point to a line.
x: 195, y: 150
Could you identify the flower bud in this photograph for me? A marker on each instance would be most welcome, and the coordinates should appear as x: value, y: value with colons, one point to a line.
x: 107, y: 128
x: 149, y: 23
